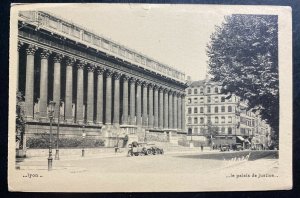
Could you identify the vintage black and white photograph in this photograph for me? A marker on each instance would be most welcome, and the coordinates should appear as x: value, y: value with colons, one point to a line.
x: 150, y: 98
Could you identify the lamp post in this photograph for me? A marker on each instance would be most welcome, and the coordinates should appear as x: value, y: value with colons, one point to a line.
x: 51, y: 110
x: 83, y: 137
x: 57, y: 134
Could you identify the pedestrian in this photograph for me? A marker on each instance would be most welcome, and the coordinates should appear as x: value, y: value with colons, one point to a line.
x: 201, y: 148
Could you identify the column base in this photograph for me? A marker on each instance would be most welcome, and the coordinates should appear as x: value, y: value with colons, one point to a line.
x: 90, y: 122
x: 80, y: 122
x: 69, y: 121
x: 28, y: 118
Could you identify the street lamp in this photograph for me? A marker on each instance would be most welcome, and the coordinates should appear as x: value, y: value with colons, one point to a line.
x: 83, y: 137
x: 57, y: 133
x: 51, y: 111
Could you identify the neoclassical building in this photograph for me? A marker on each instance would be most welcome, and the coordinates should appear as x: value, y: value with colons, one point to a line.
x: 94, y: 82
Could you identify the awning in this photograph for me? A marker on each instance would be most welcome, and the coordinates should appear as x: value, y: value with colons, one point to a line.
x: 241, y: 138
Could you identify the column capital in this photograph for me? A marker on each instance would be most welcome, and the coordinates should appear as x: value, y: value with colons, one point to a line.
x: 145, y: 83
x: 132, y: 80
x: 109, y: 72
x: 80, y: 64
x: 100, y: 70
x: 31, y: 49
x: 57, y: 58
x: 117, y: 75
x: 125, y: 77
x: 175, y: 93
x: 155, y: 87
x: 150, y: 85
x: 183, y: 95
x: 20, y: 44
x: 91, y: 68
x: 171, y: 92
x: 139, y: 82
x: 70, y: 61
x: 179, y: 94
x: 45, y: 54
x: 166, y: 90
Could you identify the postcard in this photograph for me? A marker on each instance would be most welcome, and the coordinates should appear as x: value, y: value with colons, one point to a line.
x: 150, y: 98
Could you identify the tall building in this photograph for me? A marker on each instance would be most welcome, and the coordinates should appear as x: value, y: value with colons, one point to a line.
x: 210, y: 114
x: 95, y: 82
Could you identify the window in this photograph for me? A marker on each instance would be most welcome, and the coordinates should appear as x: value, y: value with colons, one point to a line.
x: 223, y: 109
x: 208, y: 119
x: 189, y: 110
x: 195, y: 91
x: 189, y: 91
x: 208, y: 109
x: 208, y: 89
x: 216, y: 90
x: 229, y: 119
x: 201, y: 100
x: 216, y: 99
x: 201, y: 109
x: 201, y: 90
x: 195, y: 100
x: 223, y: 119
x: 195, y: 120
x: 195, y: 110
x: 216, y: 109
x: 229, y: 130
x: 202, y: 120
x: 222, y: 99
x: 229, y: 108
x: 189, y: 100
x: 196, y: 130
x: 216, y: 120
x: 223, y: 129
x: 208, y: 99
x: 189, y: 120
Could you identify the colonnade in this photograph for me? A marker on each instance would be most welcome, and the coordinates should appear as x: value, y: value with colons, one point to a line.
x: 142, y: 103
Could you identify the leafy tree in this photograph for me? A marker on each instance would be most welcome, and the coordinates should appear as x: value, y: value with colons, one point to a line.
x: 243, y: 56
x: 212, y: 131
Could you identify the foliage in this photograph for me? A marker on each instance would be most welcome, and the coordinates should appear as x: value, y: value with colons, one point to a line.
x: 20, y: 118
x: 42, y: 142
x: 243, y: 56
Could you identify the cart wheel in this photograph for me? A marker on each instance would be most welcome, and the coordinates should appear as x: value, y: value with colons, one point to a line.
x: 149, y: 152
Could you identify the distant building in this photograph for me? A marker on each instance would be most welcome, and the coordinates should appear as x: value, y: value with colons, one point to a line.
x: 210, y: 114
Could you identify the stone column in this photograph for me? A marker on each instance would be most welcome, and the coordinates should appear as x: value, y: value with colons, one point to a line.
x: 79, y: 98
x: 90, y: 95
x: 171, y: 110
x: 56, y: 84
x: 155, y: 106
x: 150, y: 116
x: 175, y: 111
x: 161, y: 108
x: 99, y: 110
x: 138, y: 103
x: 69, y: 90
x: 125, y: 99
x: 132, y: 101
x: 117, y: 99
x: 145, y: 104
x: 44, y: 84
x: 29, y: 89
x: 166, y: 109
x: 108, y: 99
x: 179, y: 111
x: 183, y: 112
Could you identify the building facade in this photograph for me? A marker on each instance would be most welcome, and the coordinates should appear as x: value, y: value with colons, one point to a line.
x: 210, y: 114
x: 94, y: 82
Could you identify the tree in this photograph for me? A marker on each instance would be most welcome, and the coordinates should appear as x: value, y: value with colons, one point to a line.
x: 243, y: 56
x: 212, y: 131
x: 20, y: 120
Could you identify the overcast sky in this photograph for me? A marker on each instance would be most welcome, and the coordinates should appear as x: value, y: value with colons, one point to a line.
x: 172, y: 34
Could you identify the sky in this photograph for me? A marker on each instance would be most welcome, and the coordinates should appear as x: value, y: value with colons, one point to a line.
x: 171, y: 34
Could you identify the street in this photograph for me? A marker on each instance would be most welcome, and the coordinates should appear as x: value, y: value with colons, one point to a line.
x: 182, y: 171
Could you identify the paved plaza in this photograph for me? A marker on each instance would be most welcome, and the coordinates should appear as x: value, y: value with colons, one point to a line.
x: 155, y: 173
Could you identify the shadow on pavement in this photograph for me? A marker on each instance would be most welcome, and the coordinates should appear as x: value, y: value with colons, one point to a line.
x: 254, y: 155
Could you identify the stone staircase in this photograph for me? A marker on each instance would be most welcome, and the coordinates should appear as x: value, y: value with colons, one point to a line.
x: 170, y: 147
